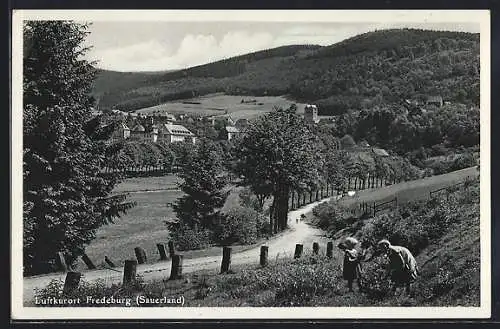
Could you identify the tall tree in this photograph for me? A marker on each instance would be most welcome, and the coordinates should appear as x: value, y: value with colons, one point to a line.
x: 204, y: 184
x: 278, y: 152
x: 66, y: 196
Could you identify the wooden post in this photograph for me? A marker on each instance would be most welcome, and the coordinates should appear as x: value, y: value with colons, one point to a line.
x: 162, y: 251
x: 298, y: 250
x: 129, y: 271
x: 374, y: 209
x: 226, y: 259
x: 109, y: 262
x: 88, y: 262
x: 176, y: 271
x: 171, y: 248
x: 329, y: 249
x: 140, y: 254
x: 71, y: 282
x: 61, y: 262
x: 315, y: 248
x: 264, y: 252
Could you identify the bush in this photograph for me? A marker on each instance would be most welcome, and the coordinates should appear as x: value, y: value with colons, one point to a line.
x: 375, y: 285
x: 191, y: 239
x: 462, y: 161
x: 240, y: 225
x: 304, y: 281
x: 332, y: 217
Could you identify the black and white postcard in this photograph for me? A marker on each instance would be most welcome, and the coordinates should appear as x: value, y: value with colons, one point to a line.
x: 250, y: 164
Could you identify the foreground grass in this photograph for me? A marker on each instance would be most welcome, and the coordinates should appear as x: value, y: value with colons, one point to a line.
x: 449, y: 265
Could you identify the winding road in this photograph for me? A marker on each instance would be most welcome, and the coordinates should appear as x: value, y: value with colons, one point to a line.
x: 281, y: 246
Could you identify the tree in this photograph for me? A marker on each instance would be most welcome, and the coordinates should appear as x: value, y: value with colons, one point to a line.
x: 66, y: 195
x: 278, y: 153
x: 204, y: 184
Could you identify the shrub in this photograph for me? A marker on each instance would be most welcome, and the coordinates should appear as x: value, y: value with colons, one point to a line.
x: 304, y: 281
x: 240, y: 225
x: 188, y: 238
x: 374, y: 282
x: 332, y: 217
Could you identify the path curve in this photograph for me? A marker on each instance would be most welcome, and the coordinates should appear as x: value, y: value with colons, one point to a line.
x: 279, y: 247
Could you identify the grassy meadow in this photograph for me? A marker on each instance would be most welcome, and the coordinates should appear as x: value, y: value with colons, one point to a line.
x: 216, y: 104
x: 144, y: 225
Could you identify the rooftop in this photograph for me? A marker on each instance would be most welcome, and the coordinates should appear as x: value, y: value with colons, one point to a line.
x: 231, y: 129
x: 177, y: 130
x: 138, y: 127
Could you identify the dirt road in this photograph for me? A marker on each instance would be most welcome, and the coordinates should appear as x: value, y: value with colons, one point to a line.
x: 280, y: 246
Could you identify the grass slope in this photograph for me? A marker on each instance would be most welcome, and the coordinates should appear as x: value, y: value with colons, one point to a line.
x: 412, y: 190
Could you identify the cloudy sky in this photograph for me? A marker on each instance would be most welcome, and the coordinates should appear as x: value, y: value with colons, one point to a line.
x: 153, y: 46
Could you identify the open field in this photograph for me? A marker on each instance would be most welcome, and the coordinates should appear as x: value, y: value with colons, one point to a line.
x: 217, y: 104
x: 138, y: 184
x: 144, y: 225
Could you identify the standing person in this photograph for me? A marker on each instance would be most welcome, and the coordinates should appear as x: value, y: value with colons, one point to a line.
x: 351, y: 266
x: 403, y: 269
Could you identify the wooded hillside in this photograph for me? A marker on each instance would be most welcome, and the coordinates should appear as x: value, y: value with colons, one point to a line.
x: 370, y: 69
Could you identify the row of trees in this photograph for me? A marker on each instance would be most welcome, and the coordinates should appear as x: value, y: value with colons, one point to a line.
x: 278, y: 155
x: 396, y: 128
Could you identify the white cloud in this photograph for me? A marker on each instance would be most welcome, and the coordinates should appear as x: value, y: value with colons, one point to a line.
x: 198, y: 48
x: 193, y: 50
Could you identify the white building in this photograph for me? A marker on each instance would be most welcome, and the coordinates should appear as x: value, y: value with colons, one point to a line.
x: 171, y: 133
x: 232, y: 132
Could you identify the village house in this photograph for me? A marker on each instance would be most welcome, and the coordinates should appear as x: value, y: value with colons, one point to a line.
x: 434, y: 100
x: 224, y: 119
x: 241, y: 124
x: 232, y: 132
x: 172, y: 133
x: 139, y: 133
x: 121, y: 132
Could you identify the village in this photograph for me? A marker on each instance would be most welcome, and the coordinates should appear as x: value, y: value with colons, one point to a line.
x: 161, y: 126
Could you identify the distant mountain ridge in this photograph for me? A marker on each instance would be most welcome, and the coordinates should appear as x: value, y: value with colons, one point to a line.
x: 369, y: 69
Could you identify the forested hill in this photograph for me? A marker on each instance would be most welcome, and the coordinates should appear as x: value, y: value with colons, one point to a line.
x: 373, y: 68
